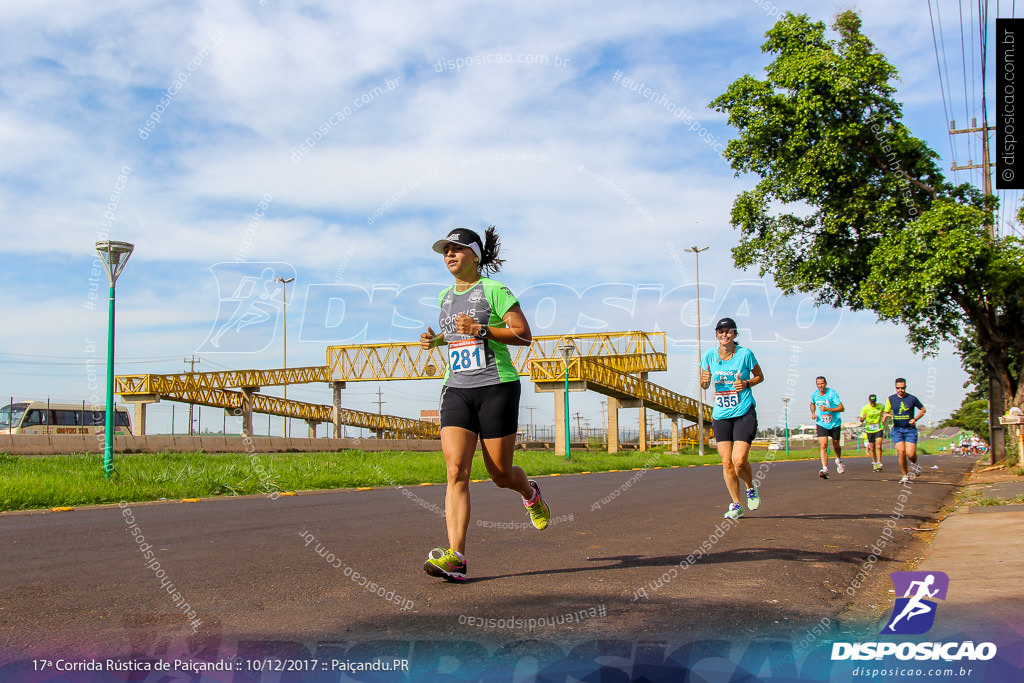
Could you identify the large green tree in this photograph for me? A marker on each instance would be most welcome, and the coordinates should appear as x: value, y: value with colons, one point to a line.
x: 971, y: 416
x: 854, y: 208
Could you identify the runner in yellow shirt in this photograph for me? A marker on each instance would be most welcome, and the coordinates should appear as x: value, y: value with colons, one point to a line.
x: 871, y: 418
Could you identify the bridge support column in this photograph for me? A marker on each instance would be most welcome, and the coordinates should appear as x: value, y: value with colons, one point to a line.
x: 139, y: 412
x: 140, y: 419
x: 247, y: 400
x: 312, y: 428
x: 336, y: 388
x: 675, y: 434
x: 643, y: 420
x: 613, y: 425
x: 561, y: 438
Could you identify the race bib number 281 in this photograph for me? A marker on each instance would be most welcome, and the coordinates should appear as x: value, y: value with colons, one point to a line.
x: 466, y: 355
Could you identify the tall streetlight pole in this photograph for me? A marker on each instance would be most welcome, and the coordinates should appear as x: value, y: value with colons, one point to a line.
x: 114, y: 256
x: 284, y: 308
x: 565, y: 349
x: 700, y: 394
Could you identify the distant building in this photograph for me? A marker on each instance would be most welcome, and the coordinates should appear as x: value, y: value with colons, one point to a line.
x: 430, y: 416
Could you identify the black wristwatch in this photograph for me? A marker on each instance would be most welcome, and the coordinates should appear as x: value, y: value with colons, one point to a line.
x: 482, y: 332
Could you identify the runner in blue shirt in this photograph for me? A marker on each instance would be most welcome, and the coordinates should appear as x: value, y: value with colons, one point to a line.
x: 734, y: 370
x: 901, y: 406
x: 825, y: 409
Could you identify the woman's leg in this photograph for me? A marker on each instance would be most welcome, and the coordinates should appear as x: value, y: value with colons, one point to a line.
x: 732, y: 482
x: 498, y: 454
x: 458, y: 445
x: 741, y: 465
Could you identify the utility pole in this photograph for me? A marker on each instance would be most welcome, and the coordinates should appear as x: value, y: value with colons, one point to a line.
x: 379, y: 402
x: 985, y: 165
x: 192, y: 368
x: 533, y: 437
x: 996, y: 400
x: 604, y: 421
x: 579, y: 429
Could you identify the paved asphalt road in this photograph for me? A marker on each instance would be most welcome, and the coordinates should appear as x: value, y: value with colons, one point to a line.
x: 618, y: 559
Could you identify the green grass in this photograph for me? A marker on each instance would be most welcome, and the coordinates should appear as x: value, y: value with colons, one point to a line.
x: 977, y: 498
x: 31, y: 482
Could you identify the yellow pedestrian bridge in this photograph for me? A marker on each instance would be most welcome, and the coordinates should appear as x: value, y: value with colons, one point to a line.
x: 613, y: 364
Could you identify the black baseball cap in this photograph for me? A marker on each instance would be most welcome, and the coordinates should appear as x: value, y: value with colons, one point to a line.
x: 461, y: 236
x: 872, y: 397
x: 725, y: 324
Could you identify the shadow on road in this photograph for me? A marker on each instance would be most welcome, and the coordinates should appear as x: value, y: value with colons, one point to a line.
x: 626, y: 562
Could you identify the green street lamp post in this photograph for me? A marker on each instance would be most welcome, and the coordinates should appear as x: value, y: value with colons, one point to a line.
x: 785, y: 402
x: 114, y: 256
x: 565, y: 349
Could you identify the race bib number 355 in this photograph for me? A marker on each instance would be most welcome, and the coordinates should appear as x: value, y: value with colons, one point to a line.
x: 466, y: 355
x: 727, y: 399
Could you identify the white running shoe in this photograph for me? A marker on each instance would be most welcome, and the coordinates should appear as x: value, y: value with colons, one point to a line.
x: 840, y: 467
x: 753, y: 499
x: 905, y: 479
x: 823, y: 473
x: 734, y: 512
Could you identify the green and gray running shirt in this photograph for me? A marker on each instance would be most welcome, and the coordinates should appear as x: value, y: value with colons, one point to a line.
x: 476, y: 362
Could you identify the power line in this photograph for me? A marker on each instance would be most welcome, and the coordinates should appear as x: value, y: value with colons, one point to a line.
x: 963, y: 58
x: 983, y: 39
x: 963, y: 61
x: 36, y: 355
x: 938, y: 67
x: 81, y: 363
x: 942, y: 42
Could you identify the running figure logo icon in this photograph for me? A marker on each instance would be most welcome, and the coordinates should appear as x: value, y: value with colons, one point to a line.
x: 914, y: 612
x: 249, y: 306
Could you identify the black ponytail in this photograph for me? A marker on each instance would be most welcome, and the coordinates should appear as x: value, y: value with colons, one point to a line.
x: 489, y: 261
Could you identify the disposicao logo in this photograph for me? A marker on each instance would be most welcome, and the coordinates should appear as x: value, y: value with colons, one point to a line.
x: 913, y: 613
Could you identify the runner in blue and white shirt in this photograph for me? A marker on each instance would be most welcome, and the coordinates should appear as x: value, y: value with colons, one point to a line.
x: 825, y: 409
x: 733, y: 369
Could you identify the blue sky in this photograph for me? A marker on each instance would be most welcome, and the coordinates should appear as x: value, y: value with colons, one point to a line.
x: 334, y: 144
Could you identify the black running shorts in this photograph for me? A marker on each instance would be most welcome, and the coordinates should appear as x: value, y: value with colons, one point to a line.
x: 742, y: 428
x: 827, y: 432
x: 491, y: 411
x: 874, y: 436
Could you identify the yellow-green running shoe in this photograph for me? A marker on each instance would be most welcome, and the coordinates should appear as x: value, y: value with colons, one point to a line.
x: 444, y: 563
x: 539, y: 511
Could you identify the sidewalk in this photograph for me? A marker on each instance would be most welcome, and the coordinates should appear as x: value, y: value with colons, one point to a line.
x: 981, y: 549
